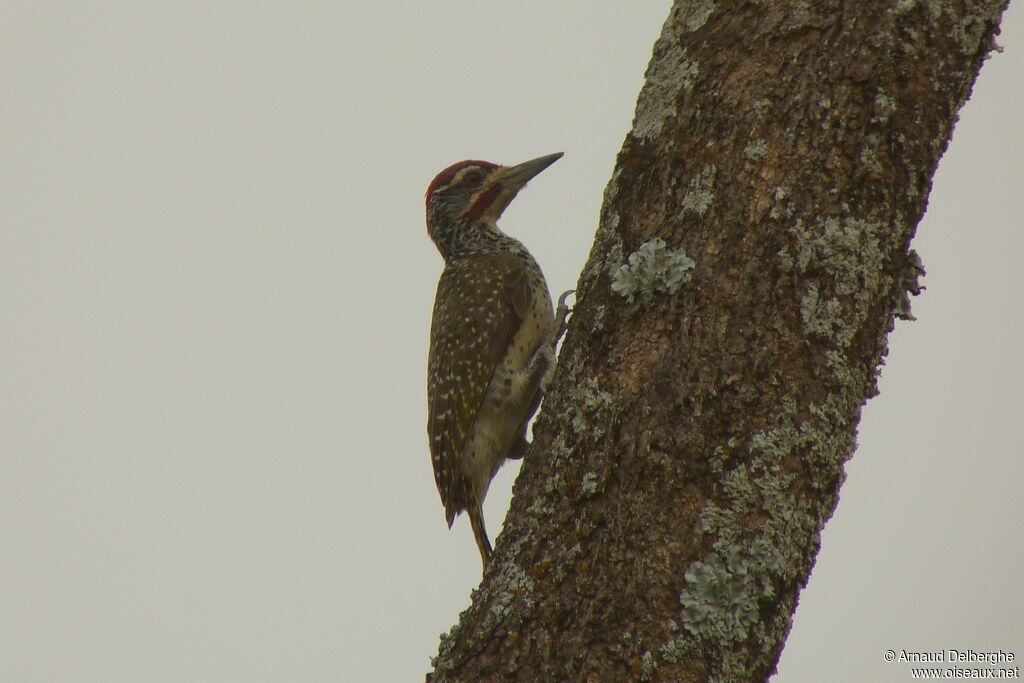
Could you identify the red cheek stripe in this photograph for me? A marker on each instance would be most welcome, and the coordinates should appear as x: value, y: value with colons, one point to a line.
x: 483, y: 201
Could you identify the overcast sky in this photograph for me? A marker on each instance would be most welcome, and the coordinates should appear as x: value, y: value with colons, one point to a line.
x: 216, y: 289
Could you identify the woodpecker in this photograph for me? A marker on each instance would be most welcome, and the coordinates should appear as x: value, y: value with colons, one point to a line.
x: 492, y: 335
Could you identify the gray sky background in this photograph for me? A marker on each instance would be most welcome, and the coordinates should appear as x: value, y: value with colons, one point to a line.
x: 216, y: 288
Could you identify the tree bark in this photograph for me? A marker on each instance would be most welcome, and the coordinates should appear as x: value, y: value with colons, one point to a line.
x: 692, y: 446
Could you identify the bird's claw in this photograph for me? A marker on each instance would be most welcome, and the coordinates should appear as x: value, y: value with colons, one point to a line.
x: 562, y: 315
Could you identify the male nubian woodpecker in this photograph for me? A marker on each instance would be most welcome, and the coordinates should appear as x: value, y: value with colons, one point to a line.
x: 492, y: 335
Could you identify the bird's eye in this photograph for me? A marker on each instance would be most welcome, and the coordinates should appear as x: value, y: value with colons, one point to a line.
x: 473, y: 178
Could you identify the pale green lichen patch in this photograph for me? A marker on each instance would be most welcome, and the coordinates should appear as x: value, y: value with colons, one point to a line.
x: 652, y: 270
x: 593, y: 400
x: 700, y: 193
x: 967, y: 23
x: 822, y: 316
x: 885, y: 106
x: 443, y: 661
x: 510, y: 585
x: 849, y: 249
x: 720, y: 601
x: 761, y: 530
x: 593, y: 397
x: 591, y: 412
x: 679, y: 649
x: 755, y: 150
x: 968, y: 31
x: 909, y: 285
x: 647, y: 666
x: 688, y: 72
x: 669, y: 73
x: 695, y: 14
x: 772, y: 505
x: 869, y: 152
x: 780, y: 208
x: 761, y: 108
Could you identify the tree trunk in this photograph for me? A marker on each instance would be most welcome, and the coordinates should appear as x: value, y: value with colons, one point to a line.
x: 693, y: 443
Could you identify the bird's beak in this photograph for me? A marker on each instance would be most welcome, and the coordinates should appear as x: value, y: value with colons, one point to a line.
x: 516, y: 176
x: 503, y: 185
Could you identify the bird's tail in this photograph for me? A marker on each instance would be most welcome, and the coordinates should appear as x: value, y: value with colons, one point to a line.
x: 476, y: 520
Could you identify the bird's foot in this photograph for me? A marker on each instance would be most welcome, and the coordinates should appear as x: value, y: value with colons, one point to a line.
x: 547, y: 351
x: 562, y: 315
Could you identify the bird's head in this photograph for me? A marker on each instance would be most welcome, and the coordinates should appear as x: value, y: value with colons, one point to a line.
x: 470, y: 196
